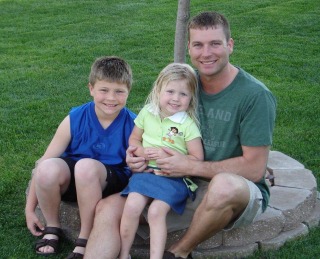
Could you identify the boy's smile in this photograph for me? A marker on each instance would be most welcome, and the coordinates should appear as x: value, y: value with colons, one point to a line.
x: 109, y: 98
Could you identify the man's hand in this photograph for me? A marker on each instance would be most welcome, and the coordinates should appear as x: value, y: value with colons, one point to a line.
x: 176, y: 165
x: 136, y: 164
x: 34, y: 224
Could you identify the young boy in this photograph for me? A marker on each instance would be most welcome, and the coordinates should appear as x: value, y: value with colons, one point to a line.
x: 85, y: 160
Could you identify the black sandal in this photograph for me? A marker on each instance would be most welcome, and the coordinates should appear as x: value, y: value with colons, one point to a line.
x: 54, y: 243
x: 79, y: 242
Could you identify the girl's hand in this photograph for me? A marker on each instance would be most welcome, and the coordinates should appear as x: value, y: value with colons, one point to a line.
x: 34, y: 224
x: 136, y: 164
x: 156, y: 153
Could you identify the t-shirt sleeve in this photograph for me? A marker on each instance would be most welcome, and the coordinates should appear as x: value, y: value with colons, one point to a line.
x: 139, y: 120
x: 192, y: 131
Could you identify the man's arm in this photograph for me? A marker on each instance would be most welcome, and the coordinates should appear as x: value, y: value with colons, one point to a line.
x: 251, y: 164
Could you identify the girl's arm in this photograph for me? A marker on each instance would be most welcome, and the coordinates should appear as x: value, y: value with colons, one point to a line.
x: 135, y: 139
x: 195, y: 149
x: 56, y: 148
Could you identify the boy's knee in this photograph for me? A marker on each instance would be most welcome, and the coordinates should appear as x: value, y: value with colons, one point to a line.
x: 85, y: 170
x: 47, y: 173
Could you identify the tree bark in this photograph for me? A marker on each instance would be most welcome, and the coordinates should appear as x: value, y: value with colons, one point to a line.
x: 180, y: 44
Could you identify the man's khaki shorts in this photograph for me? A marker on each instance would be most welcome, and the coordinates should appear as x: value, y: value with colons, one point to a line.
x: 178, y: 222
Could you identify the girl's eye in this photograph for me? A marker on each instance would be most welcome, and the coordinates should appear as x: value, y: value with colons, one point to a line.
x: 183, y: 94
x: 170, y: 91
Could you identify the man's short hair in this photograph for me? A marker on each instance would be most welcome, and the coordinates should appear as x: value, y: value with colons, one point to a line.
x: 206, y: 20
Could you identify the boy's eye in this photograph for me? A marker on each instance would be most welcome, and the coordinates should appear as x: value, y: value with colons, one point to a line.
x: 120, y: 91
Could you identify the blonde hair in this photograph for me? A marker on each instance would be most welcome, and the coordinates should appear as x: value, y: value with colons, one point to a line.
x: 176, y: 71
x: 111, y: 69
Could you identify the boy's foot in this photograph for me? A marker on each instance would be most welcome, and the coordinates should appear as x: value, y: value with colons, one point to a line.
x: 78, y: 252
x: 49, y: 244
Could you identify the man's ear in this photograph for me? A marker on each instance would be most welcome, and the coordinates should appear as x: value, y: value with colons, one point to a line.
x: 230, y: 45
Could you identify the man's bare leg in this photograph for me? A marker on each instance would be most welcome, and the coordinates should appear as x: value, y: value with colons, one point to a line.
x: 225, y: 200
x: 104, y: 240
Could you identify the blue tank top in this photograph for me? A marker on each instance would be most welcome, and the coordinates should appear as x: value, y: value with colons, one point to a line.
x: 90, y: 140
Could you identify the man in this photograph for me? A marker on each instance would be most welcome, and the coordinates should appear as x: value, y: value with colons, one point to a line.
x: 237, y: 116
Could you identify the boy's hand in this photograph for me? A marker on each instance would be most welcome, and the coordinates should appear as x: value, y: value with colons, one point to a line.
x: 34, y: 224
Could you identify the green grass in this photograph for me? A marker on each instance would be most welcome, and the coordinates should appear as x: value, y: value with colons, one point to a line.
x: 47, y: 48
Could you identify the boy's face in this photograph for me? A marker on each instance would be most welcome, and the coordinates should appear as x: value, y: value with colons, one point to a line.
x: 109, y: 98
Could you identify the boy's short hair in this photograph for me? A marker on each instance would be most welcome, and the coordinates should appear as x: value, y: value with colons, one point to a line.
x: 210, y: 19
x: 111, y: 69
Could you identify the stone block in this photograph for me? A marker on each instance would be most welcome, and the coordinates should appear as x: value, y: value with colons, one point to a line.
x: 296, y: 178
x: 267, y: 226
x: 278, y: 160
x: 276, y: 243
x: 295, y: 204
x: 313, y: 220
x: 175, y: 236
x: 70, y: 219
x: 225, y: 252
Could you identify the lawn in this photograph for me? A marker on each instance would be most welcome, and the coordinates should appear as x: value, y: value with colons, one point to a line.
x: 47, y: 48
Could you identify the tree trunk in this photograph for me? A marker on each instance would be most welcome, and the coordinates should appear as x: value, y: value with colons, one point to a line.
x: 181, y: 31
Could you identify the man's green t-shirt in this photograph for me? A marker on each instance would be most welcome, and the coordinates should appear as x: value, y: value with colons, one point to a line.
x: 242, y: 114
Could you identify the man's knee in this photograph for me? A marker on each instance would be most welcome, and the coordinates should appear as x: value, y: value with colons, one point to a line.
x: 226, y: 189
x: 110, y: 207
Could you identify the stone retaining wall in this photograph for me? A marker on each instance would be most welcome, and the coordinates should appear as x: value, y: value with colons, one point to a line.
x: 293, y: 209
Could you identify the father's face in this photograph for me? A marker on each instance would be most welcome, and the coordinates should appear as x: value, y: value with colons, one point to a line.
x: 209, y: 50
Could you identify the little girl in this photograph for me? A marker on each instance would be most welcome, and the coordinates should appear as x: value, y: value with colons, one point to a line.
x: 169, y: 119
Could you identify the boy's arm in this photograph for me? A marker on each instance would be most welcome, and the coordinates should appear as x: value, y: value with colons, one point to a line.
x: 135, y: 139
x: 56, y: 148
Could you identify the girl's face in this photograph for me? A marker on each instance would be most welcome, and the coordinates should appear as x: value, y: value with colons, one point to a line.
x: 175, y: 97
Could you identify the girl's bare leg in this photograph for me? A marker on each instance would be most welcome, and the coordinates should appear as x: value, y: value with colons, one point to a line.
x: 90, y: 178
x: 157, y: 214
x: 51, y: 180
x: 130, y: 221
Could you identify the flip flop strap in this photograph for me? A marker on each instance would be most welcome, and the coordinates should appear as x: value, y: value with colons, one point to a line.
x: 80, y: 242
x: 47, y: 242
